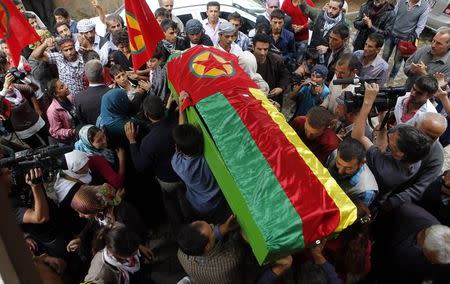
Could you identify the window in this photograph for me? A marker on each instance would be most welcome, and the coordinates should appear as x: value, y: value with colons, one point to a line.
x: 184, y: 18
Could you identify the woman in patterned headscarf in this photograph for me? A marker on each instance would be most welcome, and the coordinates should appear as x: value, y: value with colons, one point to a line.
x: 103, y: 207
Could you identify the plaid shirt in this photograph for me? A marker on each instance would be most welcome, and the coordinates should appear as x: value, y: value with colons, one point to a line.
x: 71, y: 73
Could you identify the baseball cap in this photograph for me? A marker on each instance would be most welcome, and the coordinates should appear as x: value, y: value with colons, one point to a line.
x: 320, y: 70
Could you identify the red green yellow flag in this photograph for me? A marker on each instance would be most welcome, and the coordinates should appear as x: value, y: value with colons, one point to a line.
x: 15, y: 30
x: 143, y: 30
x: 281, y: 194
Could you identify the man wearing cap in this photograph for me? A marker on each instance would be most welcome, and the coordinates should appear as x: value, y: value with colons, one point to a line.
x: 212, y: 22
x: 195, y: 34
x: 89, y: 40
x: 311, y: 92
x: 69, y: 62
x: 226, y: 39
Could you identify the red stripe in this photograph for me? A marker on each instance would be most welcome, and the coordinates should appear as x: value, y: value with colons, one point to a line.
x: 320, y: 215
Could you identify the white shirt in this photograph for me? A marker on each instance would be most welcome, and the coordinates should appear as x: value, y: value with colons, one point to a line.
x: 398, y: 110
x: 235, y: 49
x: 335, y: 91
x: 212, y: 32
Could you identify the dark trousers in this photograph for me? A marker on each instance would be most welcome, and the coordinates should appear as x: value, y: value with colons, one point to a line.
x: 173, y: 195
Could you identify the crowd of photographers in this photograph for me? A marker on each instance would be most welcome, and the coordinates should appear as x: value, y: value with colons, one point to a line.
x: 137, y: 165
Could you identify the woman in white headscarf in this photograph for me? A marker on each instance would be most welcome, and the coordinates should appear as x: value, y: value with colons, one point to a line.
x: 248, y: 63
x: 83, y: 169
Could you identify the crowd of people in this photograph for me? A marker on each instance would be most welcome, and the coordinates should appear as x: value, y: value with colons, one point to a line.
x: 137, y: 163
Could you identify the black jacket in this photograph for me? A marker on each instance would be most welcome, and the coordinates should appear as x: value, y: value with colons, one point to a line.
x: 88, y: 102
x: 382, y: 22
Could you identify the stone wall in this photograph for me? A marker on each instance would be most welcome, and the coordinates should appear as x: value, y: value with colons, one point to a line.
x: 80, y: 9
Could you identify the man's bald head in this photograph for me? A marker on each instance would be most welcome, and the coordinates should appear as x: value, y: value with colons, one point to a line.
x: 432, y: 124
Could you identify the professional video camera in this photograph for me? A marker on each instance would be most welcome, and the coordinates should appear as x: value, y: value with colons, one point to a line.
x: 16, y: 74
x: 50, y: 159
x: 385, y: 101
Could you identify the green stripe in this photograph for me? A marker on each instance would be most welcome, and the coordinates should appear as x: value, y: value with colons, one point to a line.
x: 269, y: 206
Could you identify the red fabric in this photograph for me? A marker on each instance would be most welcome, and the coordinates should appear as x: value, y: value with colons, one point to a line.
x: 5, y: 108
x: 322, y: 216
x: 15, y: 30
x: 143, y: 30
x: 298, y: 18
x: 199, y: 86
x: 406, y: 116
x: 323, y: 146
x: 101, y: 167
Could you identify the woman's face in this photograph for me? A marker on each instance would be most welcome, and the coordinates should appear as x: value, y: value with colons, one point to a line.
x: 61, y: 90
x: 99, y: 141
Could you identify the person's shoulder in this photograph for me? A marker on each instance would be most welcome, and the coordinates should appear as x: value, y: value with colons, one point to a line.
x: 298, y: 123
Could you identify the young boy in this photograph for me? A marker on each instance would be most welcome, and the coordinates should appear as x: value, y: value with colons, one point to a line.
x: 202, y: 191
x: 158, y: 74
x: 136, y: 91
x: 61, y: 15
x: 161, y: 14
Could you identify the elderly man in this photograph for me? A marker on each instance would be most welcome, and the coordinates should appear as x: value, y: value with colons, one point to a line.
x: 89, y: 40
x: 69, y: 62
x: 168, y: 5
x: 430, y: 59
x: 212, y: 22
x: 114, y: 23
x: 195, y: 34
x: 226, y: 39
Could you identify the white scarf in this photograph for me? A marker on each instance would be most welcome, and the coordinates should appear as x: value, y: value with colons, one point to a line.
x: 129, y: 267
x: 330, y: 22
x: 14, y: 96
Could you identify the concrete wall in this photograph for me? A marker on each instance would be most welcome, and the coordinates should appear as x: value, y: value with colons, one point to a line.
x: 80, y: 9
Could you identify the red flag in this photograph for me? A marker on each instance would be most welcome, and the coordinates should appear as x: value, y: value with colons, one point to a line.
x: 15, y: 30
x: 143, y: 30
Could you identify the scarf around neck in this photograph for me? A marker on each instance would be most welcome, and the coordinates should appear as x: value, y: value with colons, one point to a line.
x: 330, y: 22
x: 132, y: 264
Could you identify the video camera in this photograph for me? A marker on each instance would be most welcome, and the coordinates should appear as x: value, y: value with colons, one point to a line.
x: 385, y: 101
x: 50, y: 159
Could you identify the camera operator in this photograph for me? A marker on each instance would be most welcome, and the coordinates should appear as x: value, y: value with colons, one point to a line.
x: 35, y: 213
x: 410, y: 106
x: 348, y: 66
x: 403, y: 170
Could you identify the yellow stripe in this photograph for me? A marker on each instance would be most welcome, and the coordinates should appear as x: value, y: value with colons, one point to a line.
x: 346, y: 207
